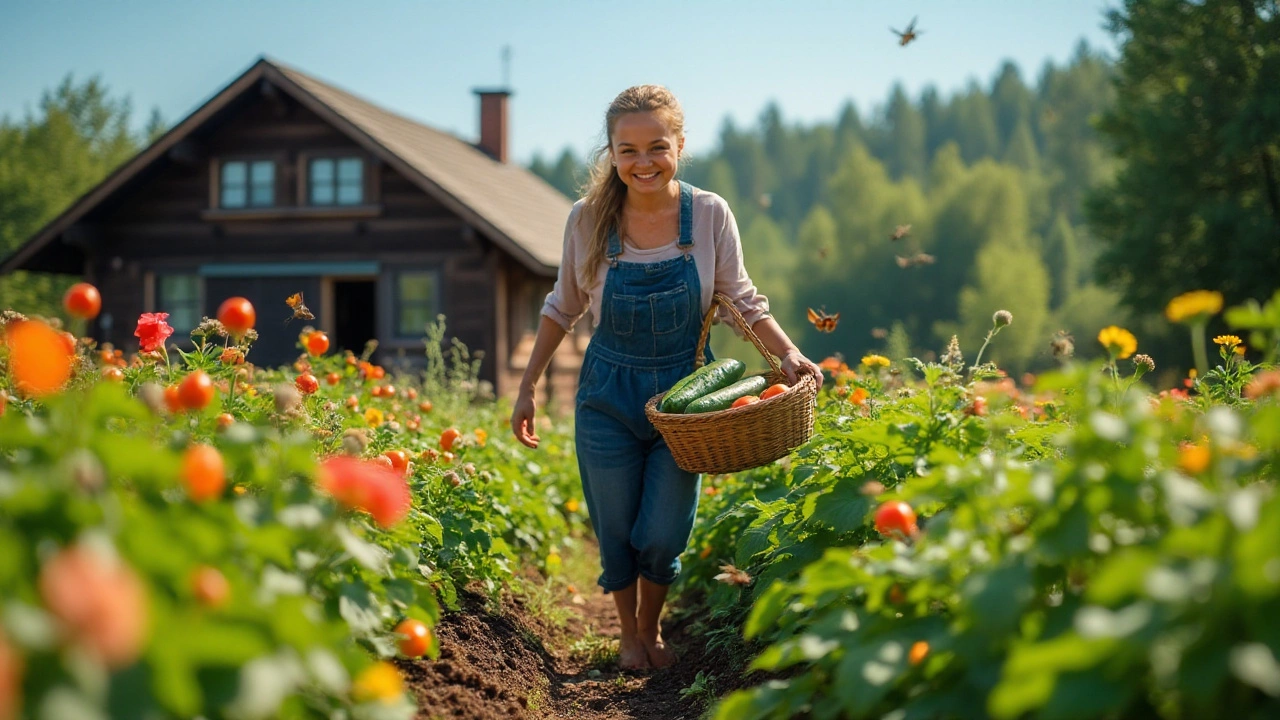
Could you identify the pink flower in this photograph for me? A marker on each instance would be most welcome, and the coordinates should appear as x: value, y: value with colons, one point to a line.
x: 153, y: 331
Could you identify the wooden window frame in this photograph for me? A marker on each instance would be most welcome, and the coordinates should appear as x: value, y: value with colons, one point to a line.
x: 370, y: 171
x: 397, y: 304
x: 278, y: 160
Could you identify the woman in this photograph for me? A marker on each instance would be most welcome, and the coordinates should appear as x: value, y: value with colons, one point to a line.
x: 648, y: 293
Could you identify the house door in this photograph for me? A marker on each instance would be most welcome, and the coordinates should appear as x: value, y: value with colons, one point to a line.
x: 277, y: 338
x: 355, y: 313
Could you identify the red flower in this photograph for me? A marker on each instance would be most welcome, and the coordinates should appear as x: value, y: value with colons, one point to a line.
x: 153, y: 331
x: 378, y: 490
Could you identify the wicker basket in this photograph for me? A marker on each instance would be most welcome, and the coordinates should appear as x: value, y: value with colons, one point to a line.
x: 744, y: 437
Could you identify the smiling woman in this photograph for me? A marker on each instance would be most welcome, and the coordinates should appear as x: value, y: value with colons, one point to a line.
x: 645, y: 252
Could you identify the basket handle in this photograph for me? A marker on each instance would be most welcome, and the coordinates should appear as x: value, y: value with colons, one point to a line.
x: 741, y: 322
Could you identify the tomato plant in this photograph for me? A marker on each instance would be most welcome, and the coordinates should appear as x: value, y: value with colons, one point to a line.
x: 83, y: 301
x: 237, y: 315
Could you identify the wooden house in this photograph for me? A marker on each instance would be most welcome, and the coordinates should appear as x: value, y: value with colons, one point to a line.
x: 282, y: 183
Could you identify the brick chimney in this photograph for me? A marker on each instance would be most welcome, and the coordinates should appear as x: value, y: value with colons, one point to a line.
x: 493, y: 123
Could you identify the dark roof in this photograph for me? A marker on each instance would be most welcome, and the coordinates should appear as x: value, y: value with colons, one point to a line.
x: 516, y: 208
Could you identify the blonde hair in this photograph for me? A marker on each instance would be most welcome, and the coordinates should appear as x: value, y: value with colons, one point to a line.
x: 605, y: 193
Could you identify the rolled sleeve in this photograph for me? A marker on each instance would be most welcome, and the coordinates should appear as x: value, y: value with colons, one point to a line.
x: 731, y: 276
x: 568, y: 301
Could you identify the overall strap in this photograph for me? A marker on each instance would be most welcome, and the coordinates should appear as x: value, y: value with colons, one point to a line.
x: 614, y: 249
x: 686, y: 216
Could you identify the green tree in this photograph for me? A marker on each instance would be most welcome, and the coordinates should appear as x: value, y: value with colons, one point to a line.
x: 78, y: 135
x: 1011, y: 101
x: 907, y: 134
x: 1197, y: 123
x: 1062, y: 257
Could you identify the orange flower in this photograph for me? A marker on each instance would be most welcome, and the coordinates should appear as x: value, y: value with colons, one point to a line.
x: 1193, y: 458
x: 38, y: 357
x: 919, y: 650
x: 377, y: 490
x: 858, y: 396
x: 99, y: 602
x: 481, y: 437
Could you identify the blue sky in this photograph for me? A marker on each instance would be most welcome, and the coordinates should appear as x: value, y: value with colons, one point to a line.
x: 569, y: 58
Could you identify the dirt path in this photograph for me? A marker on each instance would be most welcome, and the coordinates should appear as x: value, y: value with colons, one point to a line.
x: 514, y: 664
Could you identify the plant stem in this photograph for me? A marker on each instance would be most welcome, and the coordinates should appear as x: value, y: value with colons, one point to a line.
x: 1197, y: 346
x: 978, y: 360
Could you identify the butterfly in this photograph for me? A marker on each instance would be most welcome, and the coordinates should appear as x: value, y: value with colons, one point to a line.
x: 907, y: 35
x: 900, y: 232
x: 822, y: 321
x: 299, y: 308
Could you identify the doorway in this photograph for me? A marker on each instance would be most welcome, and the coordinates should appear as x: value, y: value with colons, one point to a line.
x: 355, y: 314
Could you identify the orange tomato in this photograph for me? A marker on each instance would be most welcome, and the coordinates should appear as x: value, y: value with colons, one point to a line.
x: 307, y: 383
x: 776, y: 389
x: 83, y: 301
x: 425, y: 406
x: 399, y: 460
x: 225, y: 420
x: 113, y: 374
x: 415, y: 637
x: 333, y: 378
x: 317, y: 343
x: 896, y: 517
x: 237, y: 315
x: 448, y: 437
x: 210, y: 586
x: 172, y: 400
x: 39, y: 359
x: 383, y: 461
x: 411, y: 394
x: 744, y: 401
x: 195, y: 392
x: 388, y: 391
x: 203, y: 472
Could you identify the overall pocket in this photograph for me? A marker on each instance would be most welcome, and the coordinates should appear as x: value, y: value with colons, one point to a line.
x: 670, y: 310
x: 622, y: 314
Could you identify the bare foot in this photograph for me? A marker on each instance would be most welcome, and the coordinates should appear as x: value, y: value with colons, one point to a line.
x: 632, y: 655
x: 656, y: 650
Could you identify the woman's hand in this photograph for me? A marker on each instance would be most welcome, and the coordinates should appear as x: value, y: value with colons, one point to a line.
x: 794, y: 364
x: 522, y: 419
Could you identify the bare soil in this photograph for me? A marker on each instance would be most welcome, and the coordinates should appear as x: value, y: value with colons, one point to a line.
x: 511, y: 664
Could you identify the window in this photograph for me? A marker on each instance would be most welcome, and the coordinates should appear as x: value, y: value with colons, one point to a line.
x: 416, y: 302
x: 336, y: 181
x: 246, y: 183
x: 179, y: 295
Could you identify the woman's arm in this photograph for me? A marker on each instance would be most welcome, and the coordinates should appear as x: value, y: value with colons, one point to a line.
x: 776, y: 341
x: 549, y: 337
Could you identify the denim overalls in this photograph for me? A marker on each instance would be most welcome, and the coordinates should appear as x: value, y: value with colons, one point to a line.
x: 642, y: 506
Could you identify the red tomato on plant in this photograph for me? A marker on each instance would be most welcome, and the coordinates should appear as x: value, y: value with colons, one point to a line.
x: 448, y: 437
x: 237, y: 315
x: 775, y: 389
x: 307, y: 383
x: 172, y: 400
x: 225, y: 420
x: 317, y: 343
x: 195, y: 392
x: 896, y: 517
x: 333, y: 378
x: 415, y: 637
x: 399, y: 460
x: 744, y: 401
x: 388, y: 391
x: 82, y: 300
x: 425, y: 406
x: 203, y: 472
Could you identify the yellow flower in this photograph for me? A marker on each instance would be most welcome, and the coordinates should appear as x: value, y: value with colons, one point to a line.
x: 374, y: 417
x: 875, y: 360
x: 571, y: 505
x: 380, y: 681
x: 481, y: 436
x: 1118, y: 341
x: 1194, y: 306
x: 1228, y: 340
x: 1239, y: 349
x: 553, y: 561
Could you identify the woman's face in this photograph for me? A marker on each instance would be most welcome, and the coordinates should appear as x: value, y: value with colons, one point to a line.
x: 645, y: 151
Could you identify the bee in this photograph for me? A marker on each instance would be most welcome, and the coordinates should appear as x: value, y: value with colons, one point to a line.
x: 822, y: 321
x: 300, y: 310
x: 917, y: 259
x: 907, y: 35
x: 900, y: 232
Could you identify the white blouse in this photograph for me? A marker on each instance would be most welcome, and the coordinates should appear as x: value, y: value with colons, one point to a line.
x: 717, y: 252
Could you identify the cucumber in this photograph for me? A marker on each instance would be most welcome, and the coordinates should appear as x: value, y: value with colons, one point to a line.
x: 708, y: 378
x: 724, y: 397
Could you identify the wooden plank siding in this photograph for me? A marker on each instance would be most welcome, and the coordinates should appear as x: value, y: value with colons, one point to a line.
x: 164, y: 224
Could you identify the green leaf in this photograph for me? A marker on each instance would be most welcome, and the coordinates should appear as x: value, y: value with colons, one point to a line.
x: 866, y: 673
x: 359, y: 607
x: 767, y: 608
x: 844, y: 508
x: 368, y: 555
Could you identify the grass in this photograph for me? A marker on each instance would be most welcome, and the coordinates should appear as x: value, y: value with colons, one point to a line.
x: 594, y: 650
